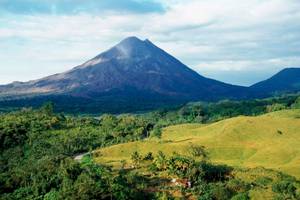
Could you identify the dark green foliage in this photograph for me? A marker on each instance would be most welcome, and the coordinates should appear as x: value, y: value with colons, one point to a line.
x: 163, y: 196
x: 36, y: 149
x: 201, y: 112
x: 238, y: 186
x: 220, y: 192
x: 263, y: 181
x: 296, y: 104
x: 149, y: 156
x: 179, y: 165
x: 26, y: 125
x: 156, y: 132
x: 233, y: 189
x: 120, y: 188
x: 241, y: 196
x: 285, y: 187
x: 160, y: 162
x: 48, y: 108
x: 216, y: 173
x: 208, y: 181
x: 120, y: 103
x: 194, y: 113
x: 203, y: 191
x: 136, y: 159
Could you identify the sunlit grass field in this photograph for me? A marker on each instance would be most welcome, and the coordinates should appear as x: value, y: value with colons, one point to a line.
x: 271, y: 141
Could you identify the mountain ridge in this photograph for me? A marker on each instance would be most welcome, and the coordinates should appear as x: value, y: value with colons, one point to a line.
x: 286, y: 80
x: 133, y: 74
x: 131, y: 63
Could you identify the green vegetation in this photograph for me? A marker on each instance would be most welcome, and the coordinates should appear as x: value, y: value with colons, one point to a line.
x: 178, y: 176
x: 296, y: 104
x: 271, y: 140
x: 201, y: 112
x: 37, y: 148
x: 138, y: 155
x: 247, y: 143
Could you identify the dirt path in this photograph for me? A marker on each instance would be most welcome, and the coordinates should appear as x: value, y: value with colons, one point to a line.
x: 79, y: 157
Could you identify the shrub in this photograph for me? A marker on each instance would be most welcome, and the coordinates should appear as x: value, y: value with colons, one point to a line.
x: 160, y: 162
x: 203, y: 191
x: 136, y: 158
x: 149, y: 156
x: 284, y: 187
x: 163, y: 196
x: 263, y: 181
x: 220, y: 192
x: 215, y: 173
x: 241, y: 196
x: 296, y: 104
x: 156, y: 132
x: 275, y: 107
x: 238, y: 186
x: 198, y: 151
x: 196, y: 173
x: 123, y: 164
x: 179, y: 165
x: 279, y: 132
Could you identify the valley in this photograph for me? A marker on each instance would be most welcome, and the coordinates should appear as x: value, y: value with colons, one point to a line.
x: 136, y: 123
x: 224, y: 150
x: 149, y: 100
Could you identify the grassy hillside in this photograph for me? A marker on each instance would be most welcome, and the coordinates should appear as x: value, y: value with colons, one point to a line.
x: 271, y: 140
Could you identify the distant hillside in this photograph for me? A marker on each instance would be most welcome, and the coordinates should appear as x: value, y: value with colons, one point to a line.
x: 287, y: 80
x: 271, y: 140
x: 132, y: 65
x: 134, y: 75
x: 130, y: 73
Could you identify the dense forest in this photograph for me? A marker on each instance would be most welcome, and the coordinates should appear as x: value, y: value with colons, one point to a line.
x: 37, y: 149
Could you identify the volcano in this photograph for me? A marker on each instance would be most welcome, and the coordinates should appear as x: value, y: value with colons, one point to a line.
x: 134, y: 71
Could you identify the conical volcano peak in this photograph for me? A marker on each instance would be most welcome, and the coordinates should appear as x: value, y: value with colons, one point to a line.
x: 132, y: 47
x: 134, y: 69
x: 131, y: 43
x: 131, y: 40
x: 129, y: 48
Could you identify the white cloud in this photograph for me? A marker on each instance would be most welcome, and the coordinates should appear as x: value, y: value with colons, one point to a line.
x: 217, y: 35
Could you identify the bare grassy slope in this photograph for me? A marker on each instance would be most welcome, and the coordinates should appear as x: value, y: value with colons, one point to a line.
x: 271, y: 141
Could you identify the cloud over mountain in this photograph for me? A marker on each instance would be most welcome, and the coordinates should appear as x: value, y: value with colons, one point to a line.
x: 215, y: 38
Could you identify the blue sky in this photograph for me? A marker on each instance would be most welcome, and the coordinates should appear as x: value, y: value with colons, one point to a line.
x: 73, y: 7
x: 239, y: 42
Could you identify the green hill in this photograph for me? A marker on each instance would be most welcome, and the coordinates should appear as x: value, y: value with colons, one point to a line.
x: 271, y: 140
